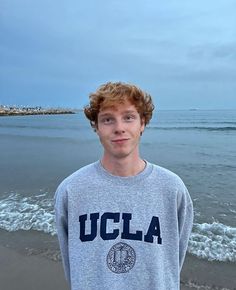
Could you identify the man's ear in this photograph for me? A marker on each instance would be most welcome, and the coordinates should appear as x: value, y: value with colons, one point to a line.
x: 95, y: 128
x: 143, y: 124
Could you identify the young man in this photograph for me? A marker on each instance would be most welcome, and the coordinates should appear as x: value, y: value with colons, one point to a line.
x: 123, y: 223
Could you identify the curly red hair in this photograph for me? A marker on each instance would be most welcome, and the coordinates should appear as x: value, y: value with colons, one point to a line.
x: 112, y: 93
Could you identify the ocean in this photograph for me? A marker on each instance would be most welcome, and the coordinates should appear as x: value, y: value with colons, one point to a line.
x: 38, y: 152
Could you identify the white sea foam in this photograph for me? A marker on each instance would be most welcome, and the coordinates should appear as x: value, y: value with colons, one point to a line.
x: 194, y: 285
x: 28, y: 213
x: 213, y: 241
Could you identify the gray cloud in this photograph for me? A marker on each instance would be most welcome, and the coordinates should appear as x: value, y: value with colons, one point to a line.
x: 58, y: 52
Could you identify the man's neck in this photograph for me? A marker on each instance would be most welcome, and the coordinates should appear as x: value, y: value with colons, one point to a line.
x: 124, y: 166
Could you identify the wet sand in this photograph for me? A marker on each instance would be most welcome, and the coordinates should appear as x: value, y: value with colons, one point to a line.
x: 19, y: 271
x: 202, y: 274
x: 22, y: 272
x: 34, y: 271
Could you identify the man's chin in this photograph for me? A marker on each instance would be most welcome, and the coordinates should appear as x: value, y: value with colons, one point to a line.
x: 121, y: 155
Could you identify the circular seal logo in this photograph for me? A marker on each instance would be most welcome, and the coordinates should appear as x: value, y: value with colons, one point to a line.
x: 121, y: 258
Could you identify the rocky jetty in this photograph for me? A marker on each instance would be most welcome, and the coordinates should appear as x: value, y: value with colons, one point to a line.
x: 21, y: 111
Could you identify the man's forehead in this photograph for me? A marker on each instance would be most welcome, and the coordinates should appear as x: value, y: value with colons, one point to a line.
x: 119, y: 108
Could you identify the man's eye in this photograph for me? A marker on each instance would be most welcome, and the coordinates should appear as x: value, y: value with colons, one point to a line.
x: 129, y: 117
x: 107, y: 120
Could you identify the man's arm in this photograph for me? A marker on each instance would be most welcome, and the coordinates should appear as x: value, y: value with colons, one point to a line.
x: 61, y: 219
x: 185, y: 220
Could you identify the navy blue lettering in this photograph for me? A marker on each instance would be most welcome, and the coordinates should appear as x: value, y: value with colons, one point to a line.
x: 153, y: 230
x: 86, y: 235
x: 89, y: 237
x: 103, y: 229
x: 126, y: 229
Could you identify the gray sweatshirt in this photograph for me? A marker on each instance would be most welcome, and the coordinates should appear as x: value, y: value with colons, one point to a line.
x: 123, y: 232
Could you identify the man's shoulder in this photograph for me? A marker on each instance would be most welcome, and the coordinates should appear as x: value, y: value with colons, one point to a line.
x: 82, y: 172
x: 80, y: 176
x: 167, y: 176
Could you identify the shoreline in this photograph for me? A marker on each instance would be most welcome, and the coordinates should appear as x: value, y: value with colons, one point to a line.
x: 31, y: 259
x: 202, y: 274
x: 21, y: 271
x: 28, y: 256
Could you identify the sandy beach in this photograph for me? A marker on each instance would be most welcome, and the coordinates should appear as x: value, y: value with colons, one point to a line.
x: 201, y: 274
x: 22, y: 272
x: 19, y: 271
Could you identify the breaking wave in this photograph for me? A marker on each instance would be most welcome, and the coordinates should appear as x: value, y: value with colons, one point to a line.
x: 211, y: 241
x: 27, y: 213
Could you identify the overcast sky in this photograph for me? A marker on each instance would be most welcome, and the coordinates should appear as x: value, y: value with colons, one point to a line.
x: 54, y: 53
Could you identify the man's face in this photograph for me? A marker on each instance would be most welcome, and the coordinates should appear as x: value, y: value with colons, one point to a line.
x: 119, y: 130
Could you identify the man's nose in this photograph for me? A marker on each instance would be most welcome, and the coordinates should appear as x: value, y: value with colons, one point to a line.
x: 119, y: 127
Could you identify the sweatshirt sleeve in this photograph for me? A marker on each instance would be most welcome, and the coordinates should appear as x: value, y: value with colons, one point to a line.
x: 185, y: 221
x: 61, y: 219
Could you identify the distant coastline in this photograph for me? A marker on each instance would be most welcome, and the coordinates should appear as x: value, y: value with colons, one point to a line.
x: 22, y: 111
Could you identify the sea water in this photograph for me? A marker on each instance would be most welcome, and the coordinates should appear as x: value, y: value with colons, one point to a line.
x: 38, y: 152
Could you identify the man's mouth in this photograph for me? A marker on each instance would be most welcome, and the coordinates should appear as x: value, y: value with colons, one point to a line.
x: 118, y: 141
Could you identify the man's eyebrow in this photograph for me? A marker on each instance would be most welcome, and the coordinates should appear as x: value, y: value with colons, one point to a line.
x: 124, y: 112
x: 105, y: 114
x: 129, y: 112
